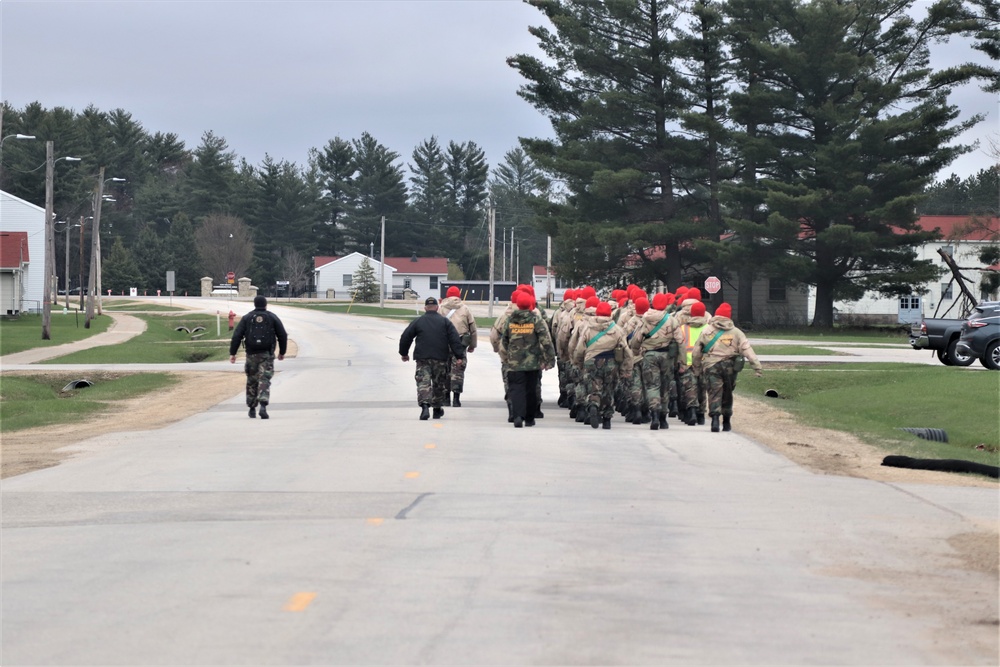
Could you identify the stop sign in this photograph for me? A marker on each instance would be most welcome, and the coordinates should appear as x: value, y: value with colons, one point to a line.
x: 712, y: 284
x: 230, y: 277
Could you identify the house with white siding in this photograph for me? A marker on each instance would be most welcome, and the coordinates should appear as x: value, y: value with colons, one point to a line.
x: 419, y: 276
x: 22, y: 255
x: 962, y: 237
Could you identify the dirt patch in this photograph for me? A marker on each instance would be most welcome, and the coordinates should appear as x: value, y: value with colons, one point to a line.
x: 831, y: 452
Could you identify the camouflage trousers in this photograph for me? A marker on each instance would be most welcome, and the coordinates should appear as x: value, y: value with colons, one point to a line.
x: 636, y: 388
x: 259, y: 367
x: 456, y: 379
x: 602, y: 376
x: 563, y: 368
x: 720, y: 380
x: 657, y: 376
x: 691, y: 391
x: 432, y: 381
x: 580, y: 386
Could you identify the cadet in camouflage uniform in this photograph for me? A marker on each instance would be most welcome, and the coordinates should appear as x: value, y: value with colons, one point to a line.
x: 562, y: 319
x: 437, y: 342
x: 631, y: 324
x: 686, y: 334
x: 718, y: 345
x: 526, y: 347
x: 582, y: 385
x: 496, y: 331
x: 599, y: 345
x: 455, y: 310
x: 259, y: 365
x: 659, y: 358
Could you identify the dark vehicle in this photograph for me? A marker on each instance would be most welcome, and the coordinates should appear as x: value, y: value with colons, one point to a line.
x: 980, y: 337
x: 941, y: 336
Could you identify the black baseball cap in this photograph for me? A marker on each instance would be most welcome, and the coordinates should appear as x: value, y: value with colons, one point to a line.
x: 431, y: 301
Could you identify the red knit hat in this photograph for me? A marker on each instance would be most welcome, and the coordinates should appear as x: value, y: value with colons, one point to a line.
x: 515, y: 295
x: 641, y: 305
x: 693, y: 293
x: 724, y: 310
x: 453, y: 291
x: 592, y: 302
x: 622, y: 301
x: 660, y: 302
x: 569, y: 295
x: 604, y: 309
x: 697, y: 309
x: 586, y: 292
x: 670, y: 299
x: 525, y: 301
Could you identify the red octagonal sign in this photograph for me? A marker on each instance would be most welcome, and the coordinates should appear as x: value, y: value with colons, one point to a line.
x: 712, y: 284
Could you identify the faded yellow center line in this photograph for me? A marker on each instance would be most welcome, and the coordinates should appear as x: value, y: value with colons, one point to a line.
x: 438, y: 426
x: 375, y: 521
x: 299, y: 601
x: 430, y: 445
x: 412, y: 475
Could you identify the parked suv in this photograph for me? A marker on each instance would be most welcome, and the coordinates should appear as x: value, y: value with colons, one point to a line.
x: 981, y: 335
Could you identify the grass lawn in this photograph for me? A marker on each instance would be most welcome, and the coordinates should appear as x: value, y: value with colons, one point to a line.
x: 145, y: 306
x: 29, y: 401
x: 25, y: 332
x: 161, y: 343
x: 874, y: 336
x: 792, y: 350
x: 873, y: 401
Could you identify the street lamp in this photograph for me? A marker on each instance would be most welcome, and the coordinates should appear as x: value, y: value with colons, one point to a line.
x: 94, y: 282
x: 50, y: 240
x: 11, y: 136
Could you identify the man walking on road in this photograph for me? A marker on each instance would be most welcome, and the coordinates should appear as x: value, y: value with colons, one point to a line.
x: 437, y: 341
x: 259, y: 331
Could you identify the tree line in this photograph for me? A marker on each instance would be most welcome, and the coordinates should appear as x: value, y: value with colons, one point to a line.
x: 797, y: 139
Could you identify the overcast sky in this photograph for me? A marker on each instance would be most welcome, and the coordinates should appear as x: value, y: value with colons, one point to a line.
x: 279, y: 78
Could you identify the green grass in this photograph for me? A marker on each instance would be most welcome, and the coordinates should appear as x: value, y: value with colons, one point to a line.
x: 160, y: 343
x: 29, y: 401
x: 144, y: 306
x: 25, y: 333
x: 873, y: 401
x: 792, y: 349
x: 872, y: 335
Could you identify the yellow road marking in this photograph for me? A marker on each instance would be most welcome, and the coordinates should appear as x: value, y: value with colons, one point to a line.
x: 299, y: 601
x: 430, y: 445
x: 412, y: 475
x: 374, y: 521
x: 438, y: 426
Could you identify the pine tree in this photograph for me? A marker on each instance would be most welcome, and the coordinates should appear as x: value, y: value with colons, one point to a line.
x: 364, y: 284
x: 119, y: 272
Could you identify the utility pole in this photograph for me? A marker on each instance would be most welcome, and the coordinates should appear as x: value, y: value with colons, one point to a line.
x: 503, y: 253
x: 513, y: 275
x: 548, y: 272
x: 81, y: 263
x: 66, y: 280
x: 381, y: 268
x: 94, y: 248
x: 49, y: 235
x: 493, y: 242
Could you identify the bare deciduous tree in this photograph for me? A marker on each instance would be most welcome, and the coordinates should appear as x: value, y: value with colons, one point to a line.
x: 224, y: 244
x: 295, y: 268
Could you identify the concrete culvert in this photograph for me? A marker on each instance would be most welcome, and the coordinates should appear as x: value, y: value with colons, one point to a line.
x: 78, y: 384
x: 772, y: 393
x: 933, y: 434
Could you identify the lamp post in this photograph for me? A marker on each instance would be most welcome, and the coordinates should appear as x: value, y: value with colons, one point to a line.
x: 11, y: 136
x: 82, y: 219
x: 93, y: 282
x: 69, y: 226
x: 50, y: 242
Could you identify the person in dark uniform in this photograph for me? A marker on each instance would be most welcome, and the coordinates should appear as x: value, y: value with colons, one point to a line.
x: 437, y: 341
x: 259, y: 331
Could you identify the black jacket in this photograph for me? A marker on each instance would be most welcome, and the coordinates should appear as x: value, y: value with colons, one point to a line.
x: 436, y: 337
x: 280, y: 336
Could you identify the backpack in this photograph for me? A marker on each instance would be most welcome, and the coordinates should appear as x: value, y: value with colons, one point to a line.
x: 260, y: 335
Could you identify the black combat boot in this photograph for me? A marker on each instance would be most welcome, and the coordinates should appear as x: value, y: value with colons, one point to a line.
x: 263, y: 411
x: 726, y: 424
x: 252, y: 413
x: 562, y: 399
x: 715, y: 423
x: 654, y: 420
x: 447, y: 399
x: 636, y: 416
x: 606, y: 423
x: 644, y: 416
x: 425, y: 411
x: 663, y: 420
x: 692, y: 417
x: 518, y: 422
x: 701, y: 419
x: 594, y: 420
x: 572, y: 412
x: 438, y: 412
x: 581, y: 414
x: 672, y: 407
x: 455, y: 403
x: 510, y: 412
x: 538, y: 411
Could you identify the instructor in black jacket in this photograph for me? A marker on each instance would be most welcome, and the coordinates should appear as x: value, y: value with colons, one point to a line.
x: 437, y: 342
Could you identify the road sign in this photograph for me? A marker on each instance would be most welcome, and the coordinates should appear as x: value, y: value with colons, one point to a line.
x: 712, y: 284
x: 230, y: 277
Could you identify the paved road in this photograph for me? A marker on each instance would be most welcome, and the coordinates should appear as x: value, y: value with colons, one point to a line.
x: 345, y: 531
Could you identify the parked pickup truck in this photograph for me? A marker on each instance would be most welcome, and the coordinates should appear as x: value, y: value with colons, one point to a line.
x: 941, y: 336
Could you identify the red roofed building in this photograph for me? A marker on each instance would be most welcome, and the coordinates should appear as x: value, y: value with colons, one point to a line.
x: 22, y: 251
x: 422, y: 276
x: 962, y: 237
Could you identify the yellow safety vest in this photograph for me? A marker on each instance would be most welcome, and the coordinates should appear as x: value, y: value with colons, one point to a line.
x: 692, y: 336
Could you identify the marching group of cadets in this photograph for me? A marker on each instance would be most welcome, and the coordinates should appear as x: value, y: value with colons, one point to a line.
x: 649, y: 360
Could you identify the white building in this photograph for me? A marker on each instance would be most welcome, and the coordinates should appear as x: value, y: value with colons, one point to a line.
x: 959, y: 241
x: 540, y: 281
x: 419, y: 276
x: 22, y: 255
